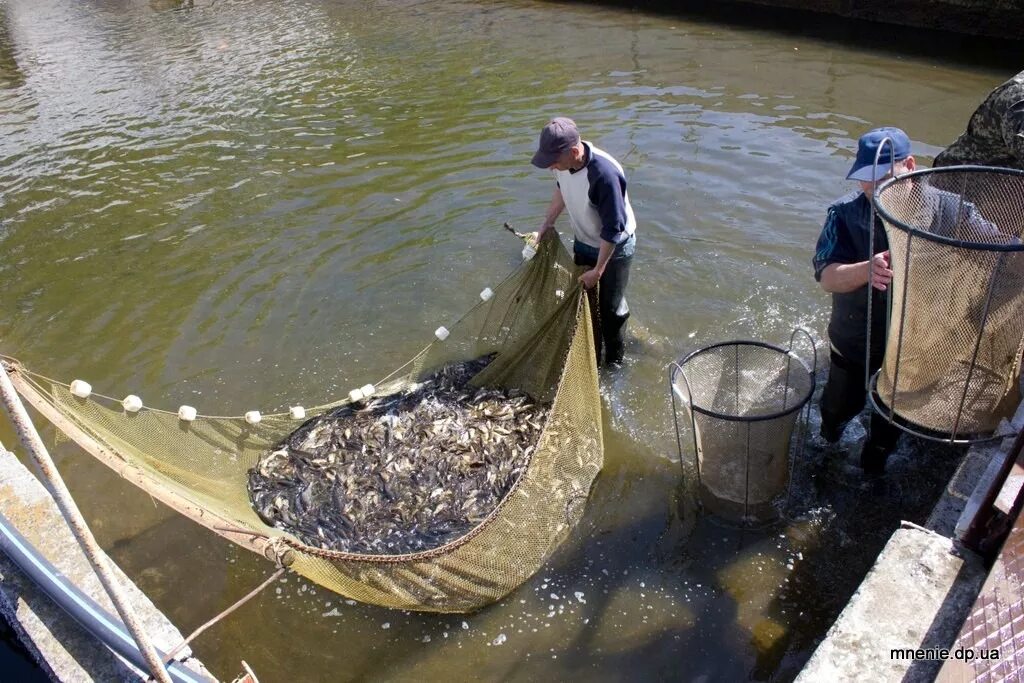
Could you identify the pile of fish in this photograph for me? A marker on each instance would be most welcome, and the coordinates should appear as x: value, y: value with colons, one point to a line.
x: 400, y: 473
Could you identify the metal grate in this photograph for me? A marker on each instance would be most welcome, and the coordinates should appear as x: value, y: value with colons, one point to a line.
x: 996, y: 622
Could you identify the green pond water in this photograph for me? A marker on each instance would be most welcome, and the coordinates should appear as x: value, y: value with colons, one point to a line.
x: 245, y: 205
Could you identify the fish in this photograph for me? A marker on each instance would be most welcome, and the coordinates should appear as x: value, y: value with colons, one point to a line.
x: 404, y: 472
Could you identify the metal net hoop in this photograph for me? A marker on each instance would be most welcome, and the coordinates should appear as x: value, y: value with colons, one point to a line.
x: 952, y: 359
x: 743, y: 399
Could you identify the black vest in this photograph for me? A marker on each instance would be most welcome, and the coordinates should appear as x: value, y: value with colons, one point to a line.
x: 847, y: 328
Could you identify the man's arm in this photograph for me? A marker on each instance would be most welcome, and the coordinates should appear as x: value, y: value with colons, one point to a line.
x: 590, y: 278
x: 554, y: 211
x: 608, y: 195
x: 831, y: 256
x: 840, y: 278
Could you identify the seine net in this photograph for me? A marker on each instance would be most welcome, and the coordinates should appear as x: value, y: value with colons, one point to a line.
x: 538, y: 324
x: 952, y: 359
x: 743, y: 398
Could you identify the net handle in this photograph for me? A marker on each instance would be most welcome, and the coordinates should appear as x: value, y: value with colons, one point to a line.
x: 790, y: 356
x: 674, y: 370
x: 805, y: 412
x: 871, y: 252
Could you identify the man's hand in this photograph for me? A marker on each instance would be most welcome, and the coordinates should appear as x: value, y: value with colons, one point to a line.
x: 590, y: 278
x: 881, y: 273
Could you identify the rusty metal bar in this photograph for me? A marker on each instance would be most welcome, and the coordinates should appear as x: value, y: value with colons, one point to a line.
x: 34, y: 445
x: 977, y: 529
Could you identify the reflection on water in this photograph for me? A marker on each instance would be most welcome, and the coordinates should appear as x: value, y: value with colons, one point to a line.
x: 244, y: 205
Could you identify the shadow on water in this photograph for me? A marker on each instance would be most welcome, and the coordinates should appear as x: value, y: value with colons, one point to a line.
x: 858, y: 517
x: 11, y: 75
x: 15, y: 662
x: 832, y: 527
x: 899, y: 41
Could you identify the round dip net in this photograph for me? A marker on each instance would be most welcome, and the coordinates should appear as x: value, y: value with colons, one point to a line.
x: 743, y: 400
x: 953, y: 352
x: 441, y: 487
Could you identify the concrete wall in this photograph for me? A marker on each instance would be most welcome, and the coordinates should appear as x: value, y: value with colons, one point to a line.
x: 996, y: 18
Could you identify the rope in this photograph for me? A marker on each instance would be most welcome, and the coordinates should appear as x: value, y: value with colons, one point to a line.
x: 253, y: 593
x: 36, y: 377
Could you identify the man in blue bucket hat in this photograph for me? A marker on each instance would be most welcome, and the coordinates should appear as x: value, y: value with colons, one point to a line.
x: 841, y: 266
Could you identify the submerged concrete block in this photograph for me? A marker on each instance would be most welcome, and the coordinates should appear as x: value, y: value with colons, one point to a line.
x: 915, y: 597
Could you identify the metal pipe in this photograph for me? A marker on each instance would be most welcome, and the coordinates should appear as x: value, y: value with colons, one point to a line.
x: 871, y: 247
x: 79, y: 606
x: 975, y: 531
x: 34, y: 445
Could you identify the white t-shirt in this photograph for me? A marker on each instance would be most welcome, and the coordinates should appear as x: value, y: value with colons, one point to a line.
x: 596, y: 200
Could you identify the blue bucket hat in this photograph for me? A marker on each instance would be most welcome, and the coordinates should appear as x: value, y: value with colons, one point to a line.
x: 867, y: 148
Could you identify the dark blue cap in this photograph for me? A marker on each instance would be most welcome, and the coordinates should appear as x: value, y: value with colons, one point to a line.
x: 867, y: 148
x: 559, y: 135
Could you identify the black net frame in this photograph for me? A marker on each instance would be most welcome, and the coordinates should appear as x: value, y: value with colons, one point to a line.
x: 747, y: 423
x: 974, y: 219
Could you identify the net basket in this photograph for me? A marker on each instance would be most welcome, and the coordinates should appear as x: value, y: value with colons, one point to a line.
x: 743, y: 399
x: 537, y: 321
x: 952, y: 358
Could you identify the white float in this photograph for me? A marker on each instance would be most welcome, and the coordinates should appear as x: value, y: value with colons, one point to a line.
x: 81, y: 388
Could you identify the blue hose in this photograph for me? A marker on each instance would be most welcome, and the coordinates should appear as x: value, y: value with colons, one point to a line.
x: 108, y: 629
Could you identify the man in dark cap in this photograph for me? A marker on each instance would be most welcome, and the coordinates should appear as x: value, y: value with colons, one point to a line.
x: 995, y: 133
x: 591, y: 186
x: 841, y: 266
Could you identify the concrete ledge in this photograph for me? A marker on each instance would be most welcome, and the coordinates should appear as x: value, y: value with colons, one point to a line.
x: 916, y: 596
x: 65, y: 650
x: 961, y: 489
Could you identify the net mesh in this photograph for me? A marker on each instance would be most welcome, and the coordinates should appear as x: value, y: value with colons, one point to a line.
x: 952, y: 359
x: 538, y: 323
x: 745, y: 399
